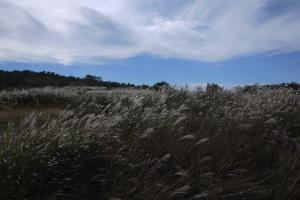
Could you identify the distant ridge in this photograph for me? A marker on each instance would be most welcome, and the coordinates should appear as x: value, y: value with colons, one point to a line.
x: 29, y: 79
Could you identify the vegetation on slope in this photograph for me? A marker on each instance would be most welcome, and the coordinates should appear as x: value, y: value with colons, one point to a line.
x: 147, y: 144
x: 30, y: 79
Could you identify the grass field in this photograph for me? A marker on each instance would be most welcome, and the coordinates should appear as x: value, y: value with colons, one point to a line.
x: 87, y: 143
x: 16, y: 114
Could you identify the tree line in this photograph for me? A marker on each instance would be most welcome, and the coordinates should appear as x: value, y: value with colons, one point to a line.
x: 30, y: 79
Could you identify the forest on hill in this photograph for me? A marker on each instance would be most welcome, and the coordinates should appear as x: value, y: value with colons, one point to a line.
x: 30, y: 79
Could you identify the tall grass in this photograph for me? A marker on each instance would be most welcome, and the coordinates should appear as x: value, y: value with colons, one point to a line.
x: 142, y: 144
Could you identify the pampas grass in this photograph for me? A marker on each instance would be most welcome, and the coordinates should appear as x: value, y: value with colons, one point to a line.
x: 144, y: 144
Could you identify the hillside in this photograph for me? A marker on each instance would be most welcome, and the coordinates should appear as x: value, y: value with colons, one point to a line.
x: 30, y: 79
x: 92, y: 144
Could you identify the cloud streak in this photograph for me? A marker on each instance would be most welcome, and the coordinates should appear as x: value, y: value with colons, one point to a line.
x: 71, y: 31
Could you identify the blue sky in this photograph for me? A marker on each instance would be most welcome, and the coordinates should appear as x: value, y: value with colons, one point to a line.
x: 151, y: 69
x: 192, y: 42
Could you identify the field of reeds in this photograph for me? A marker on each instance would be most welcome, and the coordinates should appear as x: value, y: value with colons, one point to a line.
x: 93, y: 144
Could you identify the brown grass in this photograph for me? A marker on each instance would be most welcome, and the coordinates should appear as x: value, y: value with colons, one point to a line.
x: 16, y: 114
x: 164, y: 145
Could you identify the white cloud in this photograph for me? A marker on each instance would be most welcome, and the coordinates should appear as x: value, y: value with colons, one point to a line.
x: 70, y: 31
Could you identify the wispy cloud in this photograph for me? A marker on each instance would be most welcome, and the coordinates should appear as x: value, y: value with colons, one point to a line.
x: 70, y: 31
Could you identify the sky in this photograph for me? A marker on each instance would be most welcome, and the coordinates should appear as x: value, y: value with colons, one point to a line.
x: 229, y: 42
